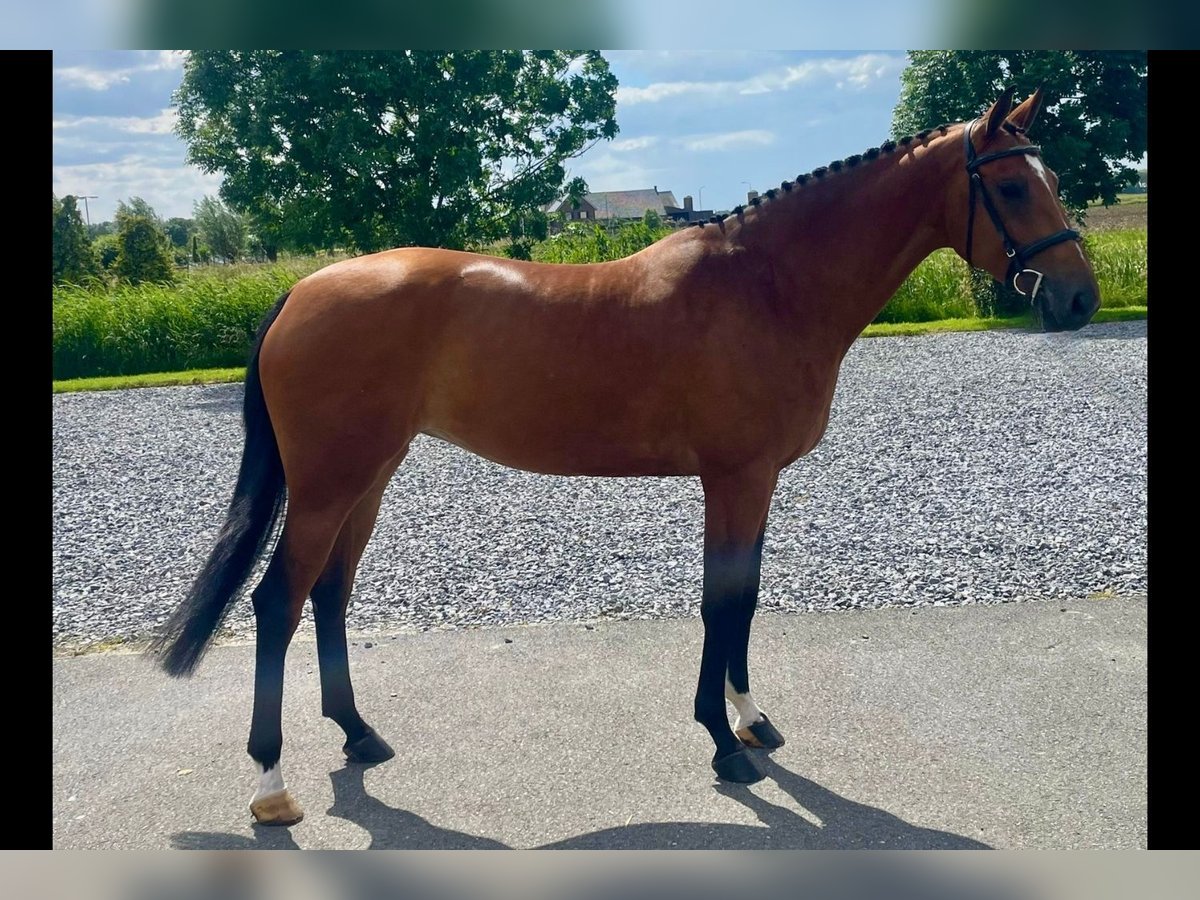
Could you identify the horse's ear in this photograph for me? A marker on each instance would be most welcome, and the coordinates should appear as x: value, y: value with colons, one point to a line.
x: 999, y: 112
x: 1025, y: 114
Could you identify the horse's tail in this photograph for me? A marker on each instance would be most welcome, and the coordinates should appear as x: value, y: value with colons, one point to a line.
x: 258, y: 500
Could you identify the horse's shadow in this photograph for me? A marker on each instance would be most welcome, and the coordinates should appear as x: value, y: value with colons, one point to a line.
x: 843, y: 824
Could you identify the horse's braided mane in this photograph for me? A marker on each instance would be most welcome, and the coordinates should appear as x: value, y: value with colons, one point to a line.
x: 839, y: 165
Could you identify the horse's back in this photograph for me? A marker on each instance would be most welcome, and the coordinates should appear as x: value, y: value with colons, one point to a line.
x: 552, y: 368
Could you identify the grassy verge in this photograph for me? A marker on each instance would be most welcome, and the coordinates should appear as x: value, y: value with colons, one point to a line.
x: 153, y: 379
x: 885, y: 329
x: 895, y: 329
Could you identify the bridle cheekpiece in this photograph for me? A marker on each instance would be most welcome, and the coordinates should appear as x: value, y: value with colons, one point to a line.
x: 1018, y: 256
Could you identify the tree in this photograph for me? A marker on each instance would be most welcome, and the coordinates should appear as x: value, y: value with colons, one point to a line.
x: 382, y: 149
x: 73, y: 259
x: 221, y: 228
x: 144, y: 253
x: 1092, y: 127
x: 179, y: 231
x: 101, y: 228
x: 107, y: 247
x: 136, y: 207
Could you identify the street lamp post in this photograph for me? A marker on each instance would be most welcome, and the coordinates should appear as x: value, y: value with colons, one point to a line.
x: 85, y: 198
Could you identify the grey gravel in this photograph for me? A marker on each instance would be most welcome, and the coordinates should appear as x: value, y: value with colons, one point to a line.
x: 956, y: 469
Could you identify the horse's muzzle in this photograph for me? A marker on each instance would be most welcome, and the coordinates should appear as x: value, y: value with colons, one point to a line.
x: 1067, y: 308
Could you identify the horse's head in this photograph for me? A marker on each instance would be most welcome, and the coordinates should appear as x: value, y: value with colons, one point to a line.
x: 1012, y: 222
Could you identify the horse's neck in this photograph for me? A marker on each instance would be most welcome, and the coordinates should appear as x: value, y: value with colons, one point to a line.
x: 839, y: 248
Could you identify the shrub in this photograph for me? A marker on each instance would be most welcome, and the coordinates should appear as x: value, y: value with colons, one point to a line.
x: 588, y: 243
x: 144, y: 253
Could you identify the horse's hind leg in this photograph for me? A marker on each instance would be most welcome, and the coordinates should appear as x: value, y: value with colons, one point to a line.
x: 308, y: 535
x: 330, y: 596
x: 752, y: 726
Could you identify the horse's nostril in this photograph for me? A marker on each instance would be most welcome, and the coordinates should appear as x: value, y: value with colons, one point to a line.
x: 1083, y: 304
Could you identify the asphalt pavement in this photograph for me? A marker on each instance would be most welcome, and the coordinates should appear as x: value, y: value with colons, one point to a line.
x: 1008, y: 726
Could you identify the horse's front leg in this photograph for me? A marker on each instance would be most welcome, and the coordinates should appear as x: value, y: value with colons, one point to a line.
x: 735, y: 511
x: 752, y: 726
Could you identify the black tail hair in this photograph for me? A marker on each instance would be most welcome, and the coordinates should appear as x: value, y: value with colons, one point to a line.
x: 258, y: 500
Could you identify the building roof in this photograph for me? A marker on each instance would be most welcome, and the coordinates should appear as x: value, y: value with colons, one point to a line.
x: 623, y: 204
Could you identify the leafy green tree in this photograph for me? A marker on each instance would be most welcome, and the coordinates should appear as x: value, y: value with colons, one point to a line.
x: 106, y: 246
x: 179, y: 231
x: 73, y: 259
x: 144, y: 253
x: 99, y: 228
x: 382, y: 149
x: 266, y: 236
x: 136, y: 207
x: 1092, y: 127
x: 221, y: 228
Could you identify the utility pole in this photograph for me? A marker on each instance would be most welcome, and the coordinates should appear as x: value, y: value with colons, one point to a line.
x: 85, y: 198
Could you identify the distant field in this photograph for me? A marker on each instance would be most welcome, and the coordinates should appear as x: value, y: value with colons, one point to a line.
x: 1130, y: 212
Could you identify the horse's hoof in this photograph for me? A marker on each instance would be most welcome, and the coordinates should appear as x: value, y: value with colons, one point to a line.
x: 761, y: 735
x: 739, y: 767
x: 370, y: 748
x: 276, y: 809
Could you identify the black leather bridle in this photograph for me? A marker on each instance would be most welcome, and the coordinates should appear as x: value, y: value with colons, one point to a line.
x: 1018, y: 256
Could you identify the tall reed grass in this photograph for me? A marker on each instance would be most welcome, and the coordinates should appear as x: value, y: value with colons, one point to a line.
x: 201, y: 322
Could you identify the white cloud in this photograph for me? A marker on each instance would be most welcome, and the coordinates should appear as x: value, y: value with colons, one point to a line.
x: 96, y: 79
x: 608, y: 172
x: 669, y: 65
x: 637, y: 143
x: 663, y: 90
x: 163, y: 123
x: 92, y: 79
x: 854, y: 73
x: 755, y: 137
x: 169, y: 188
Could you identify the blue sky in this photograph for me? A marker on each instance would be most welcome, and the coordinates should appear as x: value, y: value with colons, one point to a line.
x: 705, y: 123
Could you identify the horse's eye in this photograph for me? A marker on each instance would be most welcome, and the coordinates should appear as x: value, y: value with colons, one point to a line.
x: 1012, y: 190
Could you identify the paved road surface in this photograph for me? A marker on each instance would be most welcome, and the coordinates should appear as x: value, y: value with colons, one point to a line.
x: 1019, y: 725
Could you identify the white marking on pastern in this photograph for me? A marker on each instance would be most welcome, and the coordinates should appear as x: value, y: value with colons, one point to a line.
x: 270, y: 781
x: 747, y: 710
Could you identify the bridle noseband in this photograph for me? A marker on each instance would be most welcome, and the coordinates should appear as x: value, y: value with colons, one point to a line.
x: 1017, y: 255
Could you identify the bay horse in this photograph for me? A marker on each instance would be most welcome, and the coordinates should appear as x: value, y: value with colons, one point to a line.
x: 712, y: 353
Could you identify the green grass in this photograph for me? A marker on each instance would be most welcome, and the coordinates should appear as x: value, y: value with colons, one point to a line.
x: 153, y: 379
x: 204, y: 321
x: 594, y: 243
x: 894, y: 329
x: 965, y: 323
x: 1119, y: 261
x: 939, y: 288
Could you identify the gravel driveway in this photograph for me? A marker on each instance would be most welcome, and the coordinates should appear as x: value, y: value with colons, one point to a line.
x: 956, y: 469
